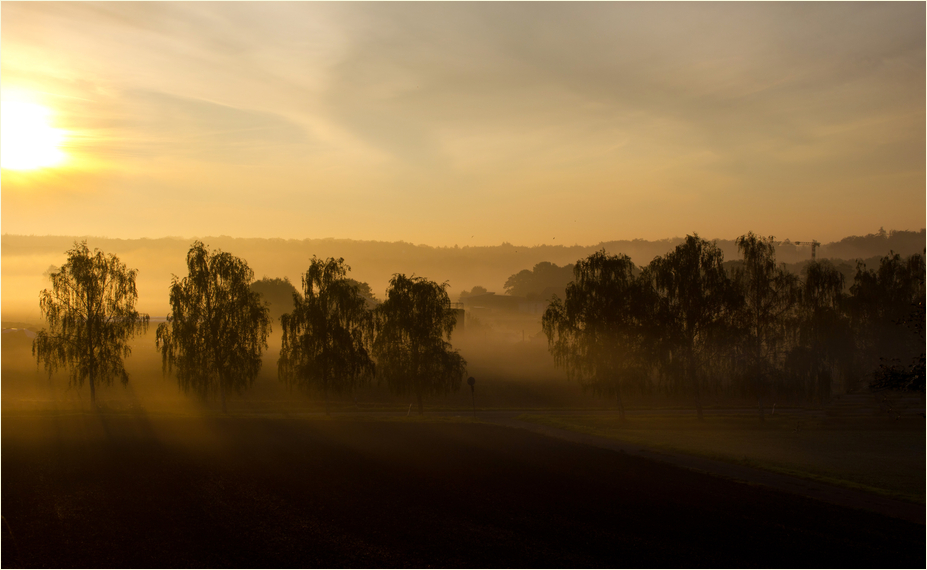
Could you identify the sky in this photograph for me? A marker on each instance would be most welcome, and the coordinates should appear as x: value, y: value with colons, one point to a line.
x: 464, y: 123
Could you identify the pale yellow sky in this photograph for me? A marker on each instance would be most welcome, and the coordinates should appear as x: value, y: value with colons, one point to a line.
x: 469, y: 124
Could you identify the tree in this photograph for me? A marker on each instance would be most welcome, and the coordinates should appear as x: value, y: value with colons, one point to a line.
x: 90, y: 317
x: 477, y: 290
x: 324, y: 341
x: 824, y: 343
x: 364, y: 290
x: 217, y: 328
x: 544, y: 279
x: 597, y: 333
x: 412, y: 354
x: 277, y: 293
x: 770, y: 293
x: 696, y: 299
x: 887, y: 310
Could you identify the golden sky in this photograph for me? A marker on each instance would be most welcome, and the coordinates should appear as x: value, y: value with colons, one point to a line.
x: 467, y: 124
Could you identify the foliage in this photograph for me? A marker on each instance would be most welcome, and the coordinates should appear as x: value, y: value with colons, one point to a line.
x: 364, y: 290
x: 540, y: 282
x: 217, y: 328
x: 324, y: 341
x: 888, y: 318
x: 597, y: 333
x: 90, y: 317
x: 277, y: 293
x: 412, y: 354
x: 770, y: 295
x: 695, y: 307
x: 477, y: 290
x: 824, y: 343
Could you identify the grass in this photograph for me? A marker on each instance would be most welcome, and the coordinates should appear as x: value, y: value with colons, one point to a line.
x: 871, y: 454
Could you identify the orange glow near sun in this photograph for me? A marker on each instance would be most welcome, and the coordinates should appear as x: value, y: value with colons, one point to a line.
x: 27, y: 139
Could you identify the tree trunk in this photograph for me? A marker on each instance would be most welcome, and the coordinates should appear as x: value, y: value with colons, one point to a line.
x: 93, y: 393
x: 620, y: 404
x: 222, y: 396
x: 418, y: 396
x: 325, y: 397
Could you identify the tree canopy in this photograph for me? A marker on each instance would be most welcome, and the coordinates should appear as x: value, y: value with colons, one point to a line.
x: 90, y: 316
x: 217, y: 328
x: 542, y: 281
x: 325, y: 337
x: 770, y: 294
x: 277, y: 293
x: 412, y: 354
x: 695, y: 305
x: 597, y: 333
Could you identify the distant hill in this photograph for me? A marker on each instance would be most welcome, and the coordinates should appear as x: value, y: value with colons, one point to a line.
x: 26, y: 258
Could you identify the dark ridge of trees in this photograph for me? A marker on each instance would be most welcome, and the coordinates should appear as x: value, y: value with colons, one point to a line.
x: 326, y: 337
x: 875, y: 244
x: 90, y: 317
x: 412, y: 354
x: 217, y: 329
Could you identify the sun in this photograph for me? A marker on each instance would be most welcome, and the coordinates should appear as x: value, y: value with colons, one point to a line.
x: 27, y: 140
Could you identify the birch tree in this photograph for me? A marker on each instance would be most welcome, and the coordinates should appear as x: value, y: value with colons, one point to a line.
x: 412, y: 354
x: 90, y: 316
x: 325, y: 337
x: 217, y: 329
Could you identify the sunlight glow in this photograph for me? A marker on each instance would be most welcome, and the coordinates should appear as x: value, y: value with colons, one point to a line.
x: 27, y: 140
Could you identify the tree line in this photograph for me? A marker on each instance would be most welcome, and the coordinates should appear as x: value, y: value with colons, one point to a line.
x: 690, y: 324
x: 213, y: 339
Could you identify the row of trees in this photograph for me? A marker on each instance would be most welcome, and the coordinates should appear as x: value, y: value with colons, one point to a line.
x: 214, y: 337
x: 686, y: 324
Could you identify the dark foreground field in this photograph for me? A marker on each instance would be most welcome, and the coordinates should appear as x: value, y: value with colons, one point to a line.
x: 129, y: 490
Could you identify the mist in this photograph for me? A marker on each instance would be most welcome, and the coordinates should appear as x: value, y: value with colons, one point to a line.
x: 462, y: 285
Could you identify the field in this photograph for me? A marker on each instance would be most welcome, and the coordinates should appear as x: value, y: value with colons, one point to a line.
x: 109, y: 489
x: 877, y: 454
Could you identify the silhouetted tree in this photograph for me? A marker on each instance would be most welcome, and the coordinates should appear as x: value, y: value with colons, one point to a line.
x: 217, y: 328
x: 277, y: 293
x: 597, y: 332
x: 324, y: 337
x: 823, y: 346
x: 696, y: 302
x: 366, y: 292
x: 544, y: 278
x: 412, y: 354
x: 477, y: 290
x: 888, y: 320
x: 90, y: 317
x: 770, y: 293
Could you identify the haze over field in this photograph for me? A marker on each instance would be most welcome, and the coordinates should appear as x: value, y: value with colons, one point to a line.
x: 463, y: 124
x: 27, y: 258
x: 444, y: 284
